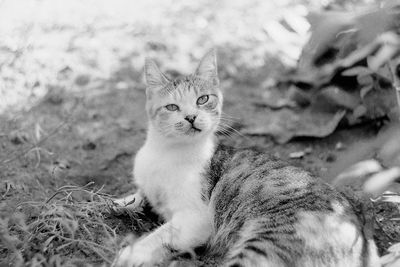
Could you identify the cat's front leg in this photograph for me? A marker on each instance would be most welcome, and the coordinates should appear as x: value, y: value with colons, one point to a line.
x: 148, y: 251
x: 185, y: 231
x: 132, y: 202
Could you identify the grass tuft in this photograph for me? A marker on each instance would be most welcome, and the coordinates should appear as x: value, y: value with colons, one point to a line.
x: 68, y: 228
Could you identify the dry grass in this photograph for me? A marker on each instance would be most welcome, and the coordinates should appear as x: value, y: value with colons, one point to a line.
x: 392, y: 258
x: 63, y: 230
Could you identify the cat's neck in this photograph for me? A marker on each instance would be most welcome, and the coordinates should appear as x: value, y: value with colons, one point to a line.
x: 201, y: 145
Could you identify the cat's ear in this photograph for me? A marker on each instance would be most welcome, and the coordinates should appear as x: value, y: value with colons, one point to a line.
x: 155, y: 79
x: 207, y: 68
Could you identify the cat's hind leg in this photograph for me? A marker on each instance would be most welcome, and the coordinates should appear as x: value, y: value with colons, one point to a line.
x: 254, y: 254
x: 258, y: 243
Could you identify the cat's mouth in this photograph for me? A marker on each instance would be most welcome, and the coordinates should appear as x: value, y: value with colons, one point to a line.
x: 193, y: 130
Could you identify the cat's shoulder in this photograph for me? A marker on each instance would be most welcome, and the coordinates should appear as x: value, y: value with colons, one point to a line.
x: 247, y: 158
x: 224, y: 154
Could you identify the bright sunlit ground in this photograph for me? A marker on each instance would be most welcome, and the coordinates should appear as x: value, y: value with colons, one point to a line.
x: 42, y: 38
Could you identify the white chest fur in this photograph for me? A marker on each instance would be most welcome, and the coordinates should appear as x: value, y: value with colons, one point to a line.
x: 170, y: 176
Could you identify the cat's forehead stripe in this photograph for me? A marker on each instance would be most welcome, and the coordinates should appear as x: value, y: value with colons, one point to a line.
x: 186, y: 84
x: 154, y: 111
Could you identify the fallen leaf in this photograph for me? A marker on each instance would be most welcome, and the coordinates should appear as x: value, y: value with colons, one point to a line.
x: 277, y: 98
x: 357, y: 70
x: 365, y: 79
x: 285, y: 124
x: 393, y: 199
x: 336, y: 97
x: 325, y: 27
x: 380, y: 181
x: 357, y: 171
x: 359, y: 111
x: 365, y: 90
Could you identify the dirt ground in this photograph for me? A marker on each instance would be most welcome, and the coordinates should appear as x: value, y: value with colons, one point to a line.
x: 85, y: 138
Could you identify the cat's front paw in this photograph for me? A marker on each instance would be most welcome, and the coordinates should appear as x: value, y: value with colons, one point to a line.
x: 133, y: 203
x: 138, y: 255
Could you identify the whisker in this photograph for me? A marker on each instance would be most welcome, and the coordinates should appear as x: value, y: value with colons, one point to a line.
x: 231, y: 129
x: 224, y: 133
x: 225, y: 130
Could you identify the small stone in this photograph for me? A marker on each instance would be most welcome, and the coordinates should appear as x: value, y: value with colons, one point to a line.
x: 308, y: 150
x: 125, y: 124
x: 62, y: 164
x: 297, y: 155
x: 82, y: 80
x: 59, y: 168
x: 339, y: 146
x: 122, y: 86
x: 89, y: 146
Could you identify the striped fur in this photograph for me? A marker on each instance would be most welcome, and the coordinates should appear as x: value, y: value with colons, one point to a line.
x: 267, y: 213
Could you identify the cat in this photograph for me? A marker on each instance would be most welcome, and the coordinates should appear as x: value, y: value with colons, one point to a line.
x: 244, y: 207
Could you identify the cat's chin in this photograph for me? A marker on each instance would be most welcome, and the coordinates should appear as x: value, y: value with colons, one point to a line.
x: 190, y: 136
x: 193, y: 134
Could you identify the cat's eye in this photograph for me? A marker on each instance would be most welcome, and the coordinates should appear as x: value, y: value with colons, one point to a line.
x: 172, y: 107
x: 202, y: 100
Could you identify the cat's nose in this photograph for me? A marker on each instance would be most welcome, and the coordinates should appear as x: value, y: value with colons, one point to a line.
x: 190, y: 118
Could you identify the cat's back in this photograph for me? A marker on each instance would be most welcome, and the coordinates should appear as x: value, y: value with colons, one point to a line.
x: 253, y: 179
x: 265, y: 208
x: 246, y: 170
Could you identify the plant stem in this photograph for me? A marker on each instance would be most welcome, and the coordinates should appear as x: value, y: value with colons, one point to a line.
x: 393, y: 65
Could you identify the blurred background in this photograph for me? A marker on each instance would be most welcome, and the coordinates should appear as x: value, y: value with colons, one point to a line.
x: 79, y: 45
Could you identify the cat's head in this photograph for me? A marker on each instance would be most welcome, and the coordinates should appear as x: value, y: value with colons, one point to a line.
x: 185, y: 108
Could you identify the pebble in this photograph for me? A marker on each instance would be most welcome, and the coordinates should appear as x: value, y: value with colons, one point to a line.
x: 308, y: 150
x: 297, y: 155
x: 339, y: 146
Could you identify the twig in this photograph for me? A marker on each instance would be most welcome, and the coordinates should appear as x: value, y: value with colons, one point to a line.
x: 53, y: 132
x: 8, y: 187
x: 40, y: 142
x: 393, y: 65
x: 70, y: 188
